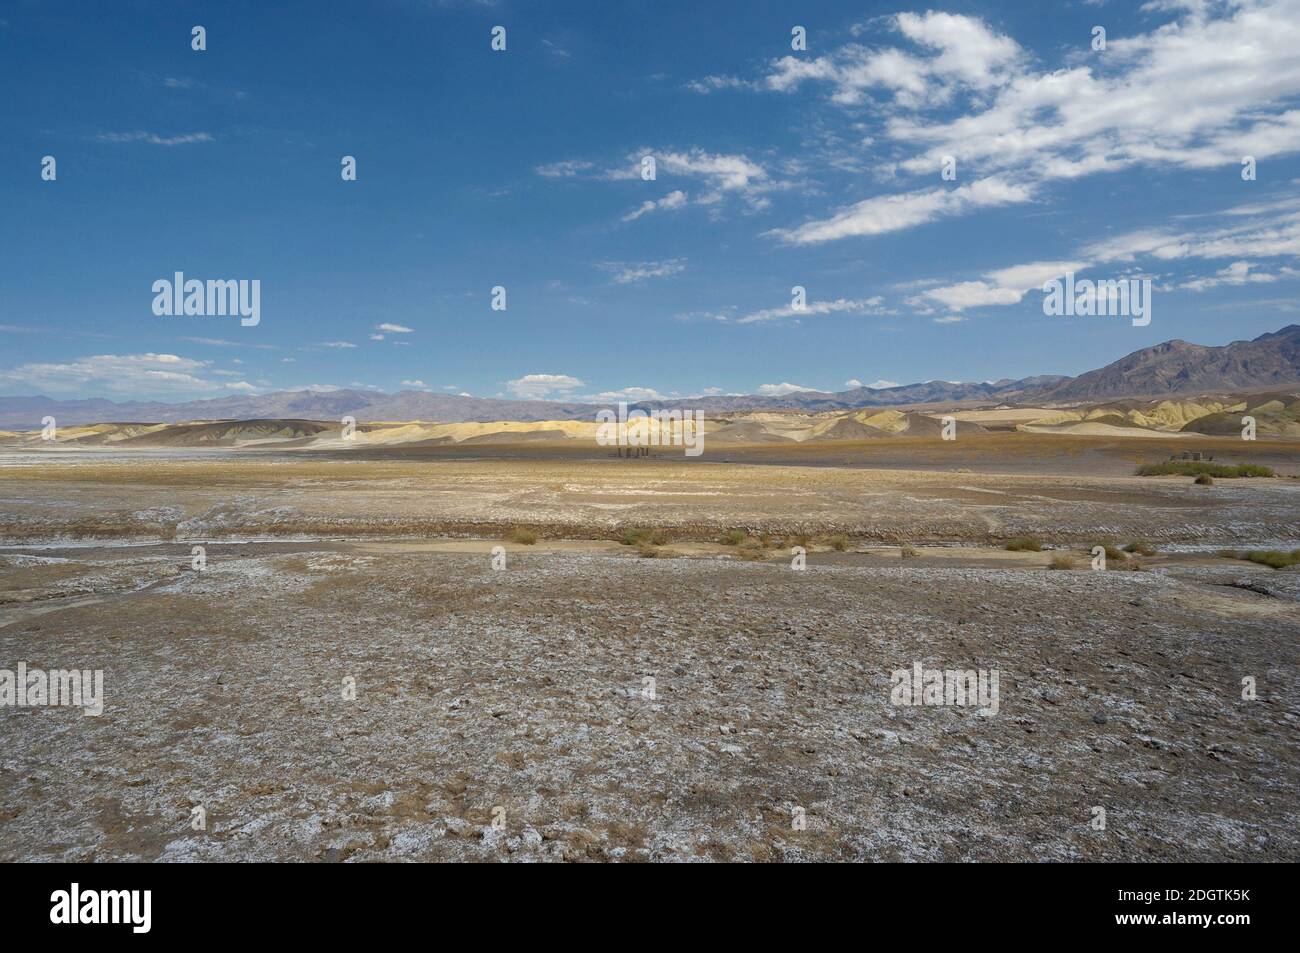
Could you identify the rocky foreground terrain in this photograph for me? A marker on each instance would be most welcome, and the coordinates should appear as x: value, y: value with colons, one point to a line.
x: 346, y: 675
x: 519, y: 694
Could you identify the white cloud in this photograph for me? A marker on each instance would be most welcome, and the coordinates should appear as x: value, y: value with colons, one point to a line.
x: 1002, y: 287
x: 154, y: 139
x: 629, y: 272
x: 891, y: 213
x: 417, y: 384
x: 629, y: 394
x: 338, y: 345
x: 123, y: 374
x: 854, y: 382
x: 955, y: 51
x: 393, y: 328
x: 839, y: 305
x: 781, y: 390
x: 1214, y: 83
x: 674, y: 199
x: 537, y: 386
x: 712, y: 84
x: 1238, y: 273
x: 221, y: 342
x: 568, y: 169
x: 883, y: 384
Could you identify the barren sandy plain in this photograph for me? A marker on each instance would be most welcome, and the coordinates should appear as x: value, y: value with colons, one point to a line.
x: 503, y: 714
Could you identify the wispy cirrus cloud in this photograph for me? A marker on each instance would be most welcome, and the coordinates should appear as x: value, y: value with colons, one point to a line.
x: 872, y: 305
x: 720, y: 176
x: 154, y: 139
x: 624, y: 273
x: 891, y: 213
x: 164, y: 374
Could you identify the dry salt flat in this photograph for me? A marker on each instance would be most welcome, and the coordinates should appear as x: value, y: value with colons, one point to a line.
x: 519, y: 697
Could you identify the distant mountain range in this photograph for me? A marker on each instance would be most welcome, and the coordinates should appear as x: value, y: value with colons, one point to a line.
x: 1168, y: 369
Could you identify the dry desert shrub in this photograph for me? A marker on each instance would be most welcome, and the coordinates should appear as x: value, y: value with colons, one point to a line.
x: 1025, y: 544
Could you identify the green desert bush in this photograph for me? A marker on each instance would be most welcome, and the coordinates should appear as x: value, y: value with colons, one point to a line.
x: 1199, y: 468
x: 733, y: 537
x: 1024, y: 544
x: 1274, y: 558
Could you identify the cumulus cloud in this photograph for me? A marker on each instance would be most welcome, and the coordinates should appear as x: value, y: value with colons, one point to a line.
x: 951, y: 51
x: 1002, y: 287
x: 393, y: 328
x: 781, y: 390
x: 1214, y: 83
x: 538, y: 386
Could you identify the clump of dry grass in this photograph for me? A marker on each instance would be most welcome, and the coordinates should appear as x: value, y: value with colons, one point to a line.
x: 1025, y: 544
x: 1140, y: 547
x: 733, y: 537
x: 652, y: 537
x: 1061, y: 561
x: 524, y: 537
x: 839, y: 542
x: 1113, y: 552
x: 908, y: 551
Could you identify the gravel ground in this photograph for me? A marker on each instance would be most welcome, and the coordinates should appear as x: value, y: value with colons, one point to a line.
x: 519, y: 695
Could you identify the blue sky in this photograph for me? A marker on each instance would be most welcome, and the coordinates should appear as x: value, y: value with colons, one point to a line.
x: 775, y: 168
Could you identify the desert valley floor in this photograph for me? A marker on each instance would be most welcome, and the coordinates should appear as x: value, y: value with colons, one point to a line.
x: 502, y: 713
